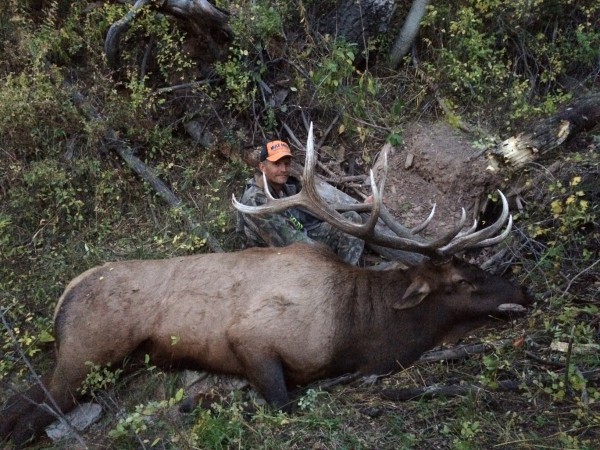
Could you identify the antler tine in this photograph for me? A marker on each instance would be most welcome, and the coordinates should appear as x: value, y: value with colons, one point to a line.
x: 470, y: 230
x: 310, y: 162
x: 482, y: 238
x: 497, y: 239
x: 451, y: 235
x: 326, y: 212
x: 377, y: 193
x: 273, y: 205
x: 423, y: 225
x: 267, y: 191
x: 377, y: 197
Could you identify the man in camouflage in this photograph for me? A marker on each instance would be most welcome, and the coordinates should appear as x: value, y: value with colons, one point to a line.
x: 294, y: 224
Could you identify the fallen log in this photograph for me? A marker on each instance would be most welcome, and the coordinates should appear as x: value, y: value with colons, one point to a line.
x: 149, y: 175
x: 429, y: 392
x: 146, y: 173
x: 457, y: 390
x: 581, y: 115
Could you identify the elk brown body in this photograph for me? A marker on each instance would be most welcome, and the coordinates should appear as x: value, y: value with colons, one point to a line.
x: 280, y: 317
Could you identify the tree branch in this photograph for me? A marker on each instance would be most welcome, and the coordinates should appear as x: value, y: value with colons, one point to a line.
x: 429, y: 392
x: 52, y: 407
x: 147, y: 174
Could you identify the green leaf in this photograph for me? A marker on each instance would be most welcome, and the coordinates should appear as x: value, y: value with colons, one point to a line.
x: 46, y: 337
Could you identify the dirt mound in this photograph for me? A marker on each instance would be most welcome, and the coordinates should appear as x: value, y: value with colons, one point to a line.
x: 437, y: 164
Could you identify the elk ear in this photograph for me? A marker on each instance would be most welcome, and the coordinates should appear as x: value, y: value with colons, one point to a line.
x: 415, y: 294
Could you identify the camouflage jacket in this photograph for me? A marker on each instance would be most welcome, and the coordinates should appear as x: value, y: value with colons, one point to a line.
x: 278, y: 229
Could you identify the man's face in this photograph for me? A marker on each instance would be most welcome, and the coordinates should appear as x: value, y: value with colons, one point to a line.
x: 277, y: 172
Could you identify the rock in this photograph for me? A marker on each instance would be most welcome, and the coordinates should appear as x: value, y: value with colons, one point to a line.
x: 80, y: 418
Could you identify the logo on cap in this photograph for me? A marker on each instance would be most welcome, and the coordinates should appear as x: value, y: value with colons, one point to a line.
x: 274, y: 151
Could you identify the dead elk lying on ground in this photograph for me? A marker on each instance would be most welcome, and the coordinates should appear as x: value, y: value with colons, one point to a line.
x: 244, y: 314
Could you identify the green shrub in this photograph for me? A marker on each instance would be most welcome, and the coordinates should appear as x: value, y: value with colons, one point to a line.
x: 503, y: 52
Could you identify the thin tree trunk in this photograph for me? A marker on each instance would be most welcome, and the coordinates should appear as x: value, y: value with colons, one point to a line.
x: 409, y: 32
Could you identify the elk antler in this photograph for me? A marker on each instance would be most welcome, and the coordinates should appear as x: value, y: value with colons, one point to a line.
x: 308, y: 199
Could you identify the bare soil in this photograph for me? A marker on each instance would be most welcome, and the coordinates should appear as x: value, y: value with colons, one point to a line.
x: 437, y: 165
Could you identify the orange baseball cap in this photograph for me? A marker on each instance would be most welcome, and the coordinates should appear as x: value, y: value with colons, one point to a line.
x: 274, y: 151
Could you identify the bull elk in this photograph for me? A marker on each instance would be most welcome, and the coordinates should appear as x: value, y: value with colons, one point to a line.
x: 280, y: 317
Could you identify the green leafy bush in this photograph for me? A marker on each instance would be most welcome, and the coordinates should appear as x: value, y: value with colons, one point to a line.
x: 505, y: 51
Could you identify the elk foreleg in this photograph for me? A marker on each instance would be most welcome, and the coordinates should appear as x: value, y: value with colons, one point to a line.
x: 266, y: 375
x: 264, y: 370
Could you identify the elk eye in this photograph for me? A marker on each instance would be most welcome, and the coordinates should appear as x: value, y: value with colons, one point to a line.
x: 464, y: 283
